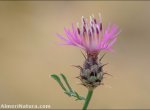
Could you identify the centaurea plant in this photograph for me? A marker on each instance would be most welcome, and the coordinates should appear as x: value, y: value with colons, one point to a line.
x: 93, y: 38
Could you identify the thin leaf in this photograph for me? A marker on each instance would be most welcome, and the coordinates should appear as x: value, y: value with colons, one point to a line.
x: 77, y: 95
x: 68, y: 93
x: 65, y: 79
x: 59, y: 81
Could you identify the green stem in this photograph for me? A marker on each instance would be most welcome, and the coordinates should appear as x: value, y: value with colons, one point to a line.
x: 88, y: 98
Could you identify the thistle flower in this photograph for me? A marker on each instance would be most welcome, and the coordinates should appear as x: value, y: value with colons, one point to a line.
x: 93, y: 38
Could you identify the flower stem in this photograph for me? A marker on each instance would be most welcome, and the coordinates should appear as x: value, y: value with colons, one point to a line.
x: 88, y: 98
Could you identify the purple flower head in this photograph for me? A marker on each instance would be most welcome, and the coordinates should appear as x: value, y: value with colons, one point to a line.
x: 91, y: 36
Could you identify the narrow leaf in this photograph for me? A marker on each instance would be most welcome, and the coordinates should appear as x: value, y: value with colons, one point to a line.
x: 77, y: 95
x: 66, y: 92
x: 59, y: 81
x: 65, y: 79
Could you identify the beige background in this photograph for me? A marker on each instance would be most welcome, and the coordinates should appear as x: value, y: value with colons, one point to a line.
x: 29, y: 53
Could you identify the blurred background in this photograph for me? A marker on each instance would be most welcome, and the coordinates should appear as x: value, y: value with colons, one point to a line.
x: 29, y: 53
